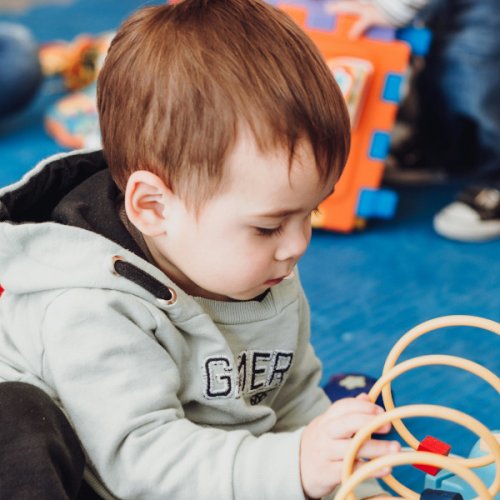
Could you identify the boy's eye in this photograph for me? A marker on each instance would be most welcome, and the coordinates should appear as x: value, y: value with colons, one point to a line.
x: 266, y: 231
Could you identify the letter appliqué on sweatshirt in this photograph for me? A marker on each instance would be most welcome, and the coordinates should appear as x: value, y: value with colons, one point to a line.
x: 255, y: 374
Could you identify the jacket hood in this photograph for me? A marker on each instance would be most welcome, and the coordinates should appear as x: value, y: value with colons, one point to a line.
x: 60, y: 228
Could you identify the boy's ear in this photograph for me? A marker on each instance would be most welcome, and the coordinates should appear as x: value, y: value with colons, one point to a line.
x: 146, y: 196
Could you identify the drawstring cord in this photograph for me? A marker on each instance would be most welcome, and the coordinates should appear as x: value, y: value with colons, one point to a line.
x: 152, y: 285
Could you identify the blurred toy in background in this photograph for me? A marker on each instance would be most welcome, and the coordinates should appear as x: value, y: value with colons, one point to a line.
x: 20, y: 71
x: 73, y: 121
x: 352, y: 75
x: 350, y: 385
x: 453, y: 123
x: 78, y: 61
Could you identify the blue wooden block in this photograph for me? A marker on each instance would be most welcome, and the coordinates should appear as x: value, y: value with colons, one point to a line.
x: 392, y: 88
x: 379, y: 147
x: 380, y: 203
x: 418, y: 38
x: 429, y: 494
x: 348, y: 385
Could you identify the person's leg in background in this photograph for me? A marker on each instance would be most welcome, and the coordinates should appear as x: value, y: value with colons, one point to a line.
x: 41, y: 456
x: 21, y: 74
x: 460, y: 103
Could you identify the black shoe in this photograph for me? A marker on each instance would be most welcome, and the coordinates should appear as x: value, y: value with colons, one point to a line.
x: 408, y: 166
x: 474, y: 216
x: 414, y: 176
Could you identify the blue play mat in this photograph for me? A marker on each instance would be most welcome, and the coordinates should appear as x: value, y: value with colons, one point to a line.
x: 366, y: 289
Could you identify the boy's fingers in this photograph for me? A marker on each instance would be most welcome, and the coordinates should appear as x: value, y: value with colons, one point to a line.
x: 362, y: 397
x: 343, y: 428
x: 349, y: 406
x: 371, y: 449
x: 380, y: 473
x: 375, y: 448
x: 385, y: 471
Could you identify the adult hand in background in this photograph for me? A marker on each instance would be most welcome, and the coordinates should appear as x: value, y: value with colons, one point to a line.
x: 368, y: 14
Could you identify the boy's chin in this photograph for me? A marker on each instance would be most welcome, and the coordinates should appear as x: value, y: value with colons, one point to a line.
x: 255, y: 294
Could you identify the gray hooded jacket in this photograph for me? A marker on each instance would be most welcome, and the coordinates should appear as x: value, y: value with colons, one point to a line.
x: 172, y: 396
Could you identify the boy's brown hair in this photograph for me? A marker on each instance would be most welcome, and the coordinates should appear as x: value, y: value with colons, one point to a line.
x: 181, y: 80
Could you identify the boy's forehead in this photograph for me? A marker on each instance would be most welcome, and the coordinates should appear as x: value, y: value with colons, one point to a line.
x: 267, y: 182
x: 246, y: 156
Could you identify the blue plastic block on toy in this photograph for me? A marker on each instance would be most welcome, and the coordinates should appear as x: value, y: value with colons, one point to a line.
x: 318, y: 19
x: 448, y: 481
x: 379, y: 147
x: 349, y: 385
x: 379, y: 203
x: 418, y: 38
x: 381, y: 33
x: 392, y: 88
x: 429, y: 494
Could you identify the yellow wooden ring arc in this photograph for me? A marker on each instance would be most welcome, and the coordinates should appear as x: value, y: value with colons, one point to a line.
x: 438, y: 359
x: 368, y: 469
x: 408, y: 338
x: 422, y: 411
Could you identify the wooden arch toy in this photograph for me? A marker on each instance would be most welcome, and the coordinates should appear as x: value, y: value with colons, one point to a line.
x: 459, y: 466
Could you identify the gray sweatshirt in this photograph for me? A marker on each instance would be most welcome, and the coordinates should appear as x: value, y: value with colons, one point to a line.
x: 181, y: 399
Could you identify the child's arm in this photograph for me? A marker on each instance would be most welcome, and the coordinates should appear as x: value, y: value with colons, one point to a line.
x: 301, y: 398
x: 377, y: 12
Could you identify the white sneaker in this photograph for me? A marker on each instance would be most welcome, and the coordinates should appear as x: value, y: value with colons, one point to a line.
x: 475, y: 216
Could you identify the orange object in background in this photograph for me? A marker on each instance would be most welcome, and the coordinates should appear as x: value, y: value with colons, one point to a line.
x: 381, y: 64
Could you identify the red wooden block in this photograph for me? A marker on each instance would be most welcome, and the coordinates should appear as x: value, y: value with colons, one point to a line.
x: 432, y: 445
x: 1, y: 290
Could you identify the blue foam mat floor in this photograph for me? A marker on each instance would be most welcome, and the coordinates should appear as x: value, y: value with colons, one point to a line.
x: 366, y: 289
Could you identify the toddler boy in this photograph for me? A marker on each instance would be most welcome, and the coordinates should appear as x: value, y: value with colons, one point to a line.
x: 150, y: 288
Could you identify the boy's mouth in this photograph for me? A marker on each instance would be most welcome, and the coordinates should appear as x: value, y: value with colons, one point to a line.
x: 276, y: 281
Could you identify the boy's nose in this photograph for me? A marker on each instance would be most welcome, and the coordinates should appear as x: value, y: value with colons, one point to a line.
x: 293, y: 246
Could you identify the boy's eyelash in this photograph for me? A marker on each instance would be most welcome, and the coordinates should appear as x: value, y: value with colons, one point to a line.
x: 264, y: 231
x: 276, y: 231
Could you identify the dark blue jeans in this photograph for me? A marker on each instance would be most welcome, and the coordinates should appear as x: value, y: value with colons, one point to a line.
x: 40, y: 454
x: 460, y: 88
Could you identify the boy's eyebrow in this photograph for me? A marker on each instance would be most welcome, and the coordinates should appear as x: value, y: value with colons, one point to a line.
x: 279, y: 213
x: 284, y: 213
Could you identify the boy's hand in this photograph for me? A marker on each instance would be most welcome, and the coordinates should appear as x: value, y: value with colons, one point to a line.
x: 326, y: 439
x: 369, y: 15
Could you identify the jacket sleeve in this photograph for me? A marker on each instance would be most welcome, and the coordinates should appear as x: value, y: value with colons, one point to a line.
x: 302, y: 397
x: 119, y: 388
x: 400, y: 12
